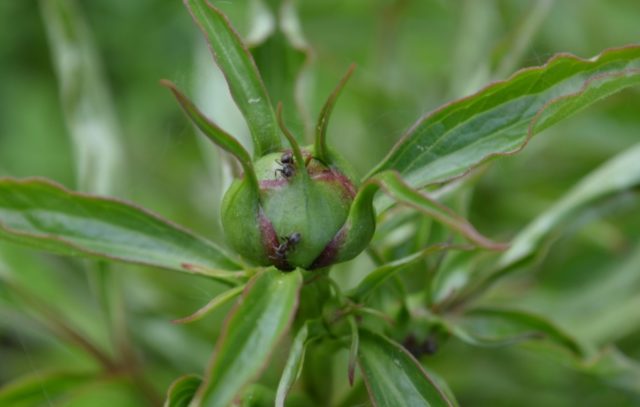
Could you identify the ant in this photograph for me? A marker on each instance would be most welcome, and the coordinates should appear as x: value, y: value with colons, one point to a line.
x: 288, y: 166
x: 288, y: 244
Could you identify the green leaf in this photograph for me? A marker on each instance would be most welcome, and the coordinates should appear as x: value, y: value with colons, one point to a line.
x: 86, y: 100
x: 220, y: 137
x: 250, y: 334
x: 283, y: 57
x: 502, y: 117
x: 392, y: 184
x: 293, y: 367
x: 242, y: 76
x: 216, y: 302
x: 604, y: 310
x: 378, y: 276
x: 618, y: 174
x: 321, y: 148
x: 182, y: 390
x: 442, y: 385
x: 485, y: 326
x: 44, y: 215
x: 454, y: 274
x: 310, y: 331
x: 394, y: 377
x: 42, y: 387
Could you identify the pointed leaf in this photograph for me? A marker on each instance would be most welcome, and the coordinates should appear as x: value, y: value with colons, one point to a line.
x: 618, y: 174
x: 283, y: 57
x: 321, y: 148
x: 44, y: 215
x: 487, y: 326
x: 252, y: 330
x: 182, y: 390
x: 216, y: 302
x: 454, y: 273
x: 310, y: 331
x: 400, y: 191
x: 220, y: 137
x: 378, y: 276
x: 501, y: 118
x: 241, y: 73
x: 293, y: 367
x: 394, y: 377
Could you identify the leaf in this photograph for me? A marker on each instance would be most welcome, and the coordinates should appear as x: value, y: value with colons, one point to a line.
x: 86, y: 100
x: 454, y: 273
x: 394, y: 377
x: 606, y: 309
x: 283, y: 57
x: 216, y: 302
x: 391, y: 183
x: 618, y: 174
x: 41, y: 387
x: 220, y: 137
x: 293, y: 367
x: 501, y: 118
x: 485, y: 326
x: 378, y: 276
x: 242, y: 76
x: 443, y: 385
x: 182, y: 390
x: 44, y: 215
x: 252, y: 330
x: 322, y: 125
x: 310, y: 331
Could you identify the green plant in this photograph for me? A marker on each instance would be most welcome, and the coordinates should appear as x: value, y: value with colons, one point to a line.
x: 294, y: 212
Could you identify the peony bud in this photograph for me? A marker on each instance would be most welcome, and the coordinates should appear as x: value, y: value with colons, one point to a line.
x: 293, y: 208
x: 298, y: 218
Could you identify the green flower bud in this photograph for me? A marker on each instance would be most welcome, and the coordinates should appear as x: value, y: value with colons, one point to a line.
x: 293, y: 208
x: 300, y: 215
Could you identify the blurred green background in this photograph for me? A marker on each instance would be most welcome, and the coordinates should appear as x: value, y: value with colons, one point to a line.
x: 412, y: 56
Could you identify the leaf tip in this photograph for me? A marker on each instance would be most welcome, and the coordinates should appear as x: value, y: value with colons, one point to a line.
x: 352, y: 372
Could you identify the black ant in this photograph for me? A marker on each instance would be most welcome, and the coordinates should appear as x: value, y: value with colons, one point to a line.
x: 288, y: 166
x: 288, y: 244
